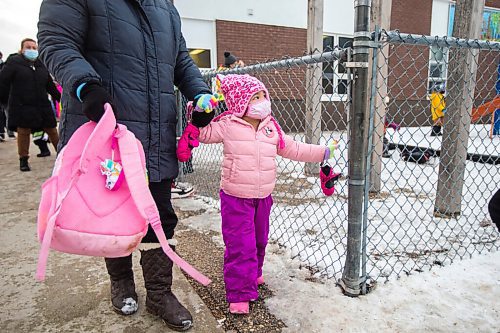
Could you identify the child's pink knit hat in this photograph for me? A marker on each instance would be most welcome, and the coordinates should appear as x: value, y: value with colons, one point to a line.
x: 238, y: 90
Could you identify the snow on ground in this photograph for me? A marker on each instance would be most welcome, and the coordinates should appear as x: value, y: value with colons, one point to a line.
x: 403, y: 235
x: 463, y: 297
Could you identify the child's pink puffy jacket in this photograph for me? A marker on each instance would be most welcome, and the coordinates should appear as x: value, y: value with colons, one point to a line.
x: 249, y: 165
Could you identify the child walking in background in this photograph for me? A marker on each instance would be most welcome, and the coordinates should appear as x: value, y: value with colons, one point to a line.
x: 252, y: 139
x: 438, y: 109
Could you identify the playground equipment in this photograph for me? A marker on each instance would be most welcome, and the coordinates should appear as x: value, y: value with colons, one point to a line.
x: 493, y: 108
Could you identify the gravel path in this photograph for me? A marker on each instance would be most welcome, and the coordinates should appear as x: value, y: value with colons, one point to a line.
x: 208, y: 256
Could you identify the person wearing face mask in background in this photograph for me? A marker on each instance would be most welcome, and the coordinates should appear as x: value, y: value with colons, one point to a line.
x: 25, y: 84
x: 252, y: 140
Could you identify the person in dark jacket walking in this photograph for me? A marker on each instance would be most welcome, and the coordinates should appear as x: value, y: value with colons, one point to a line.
x: 24, y: 86
x: 3, y: 118
x: 130, y: 53
x: 3, y: 113
x: 494, y: 209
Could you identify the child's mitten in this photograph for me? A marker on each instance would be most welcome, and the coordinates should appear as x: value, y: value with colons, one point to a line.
x: 205, y: 102
x: 330, y: 149
x: 187, y: 142
x: 328, y: 179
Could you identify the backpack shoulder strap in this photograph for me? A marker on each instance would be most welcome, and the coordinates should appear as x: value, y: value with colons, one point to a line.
x: 58, y: 199
x: 101, y: 133
x: 136, y: 180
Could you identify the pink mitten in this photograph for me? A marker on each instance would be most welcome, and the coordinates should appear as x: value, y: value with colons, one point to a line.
x: 328, y: 179
x: 187, y: 142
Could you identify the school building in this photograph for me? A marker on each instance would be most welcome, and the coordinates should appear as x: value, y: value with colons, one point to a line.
x: 259, y: 30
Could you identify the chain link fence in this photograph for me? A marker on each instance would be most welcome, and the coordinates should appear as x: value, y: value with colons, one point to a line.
x: 429, y: 188
x: 404, y: 230
x: 312, y: 226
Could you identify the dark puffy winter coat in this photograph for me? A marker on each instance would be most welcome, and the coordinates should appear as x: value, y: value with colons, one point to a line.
x: 136, y: 50
x: 24, y: 88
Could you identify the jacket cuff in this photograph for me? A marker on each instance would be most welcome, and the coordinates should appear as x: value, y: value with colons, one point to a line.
x: 326, y: 157
x: 79, y: 90
x: 78, y: 82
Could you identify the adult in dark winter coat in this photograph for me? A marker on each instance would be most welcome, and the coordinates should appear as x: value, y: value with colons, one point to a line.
x: 130, y: 53
x: 3, y: 112
x: 24, y: 86
x: 494, y: 209
x: 3, y: 119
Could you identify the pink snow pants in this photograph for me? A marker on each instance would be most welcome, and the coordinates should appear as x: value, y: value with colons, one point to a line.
x: 245, y: 230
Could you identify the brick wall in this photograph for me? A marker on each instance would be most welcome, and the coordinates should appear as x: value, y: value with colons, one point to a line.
x: 493, y: 3
x: 411, y: 16
x: 409, y: 65
x: 258, y: 42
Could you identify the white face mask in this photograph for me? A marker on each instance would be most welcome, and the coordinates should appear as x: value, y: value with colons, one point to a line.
x: 259, y: 110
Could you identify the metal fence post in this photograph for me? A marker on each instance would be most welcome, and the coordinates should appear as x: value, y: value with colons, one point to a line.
x: 358, y: 122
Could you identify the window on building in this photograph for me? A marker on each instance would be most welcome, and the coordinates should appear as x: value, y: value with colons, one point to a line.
x: 438, y: 67
x: 335, y: 77
x: 201, y: 57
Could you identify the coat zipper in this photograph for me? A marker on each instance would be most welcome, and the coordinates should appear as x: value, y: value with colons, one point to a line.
x: 145, y: 16
x: 258, y: 160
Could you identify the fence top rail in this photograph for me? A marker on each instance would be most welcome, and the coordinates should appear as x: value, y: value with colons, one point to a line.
x: 397, y: 37
x: 285, y: 63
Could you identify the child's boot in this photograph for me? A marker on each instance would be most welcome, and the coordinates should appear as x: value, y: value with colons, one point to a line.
x: 239, y: 308
x: 260, y: 280
x: 436, y: 130
x: 385, y: 150
x: 160, y: 301
x: 123, y: 295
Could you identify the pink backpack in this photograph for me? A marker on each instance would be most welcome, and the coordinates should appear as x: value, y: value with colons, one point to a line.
x: 79, y: 215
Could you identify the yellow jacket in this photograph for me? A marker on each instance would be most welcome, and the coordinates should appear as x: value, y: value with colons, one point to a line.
x: 438, y: 104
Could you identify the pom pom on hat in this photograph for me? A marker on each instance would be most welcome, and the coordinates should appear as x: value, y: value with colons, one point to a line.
x: 229, y: 59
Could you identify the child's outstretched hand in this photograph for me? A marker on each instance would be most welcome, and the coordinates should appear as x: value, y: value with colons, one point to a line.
x: 330, y: 148
x: 205, y: 102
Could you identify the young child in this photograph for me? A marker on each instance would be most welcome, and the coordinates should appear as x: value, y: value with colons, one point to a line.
x: 252, y: 139
x: 438, y: 109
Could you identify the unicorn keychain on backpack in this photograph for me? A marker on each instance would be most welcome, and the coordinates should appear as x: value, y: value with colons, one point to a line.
x: 112, y: 170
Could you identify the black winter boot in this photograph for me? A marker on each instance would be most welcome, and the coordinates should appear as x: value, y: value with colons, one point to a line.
x: 23, y: 164
x: 436, y: 131
x: 123, y: 296
x: 385, y: 151
x: 44, y: 148
x: 160, y: 301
